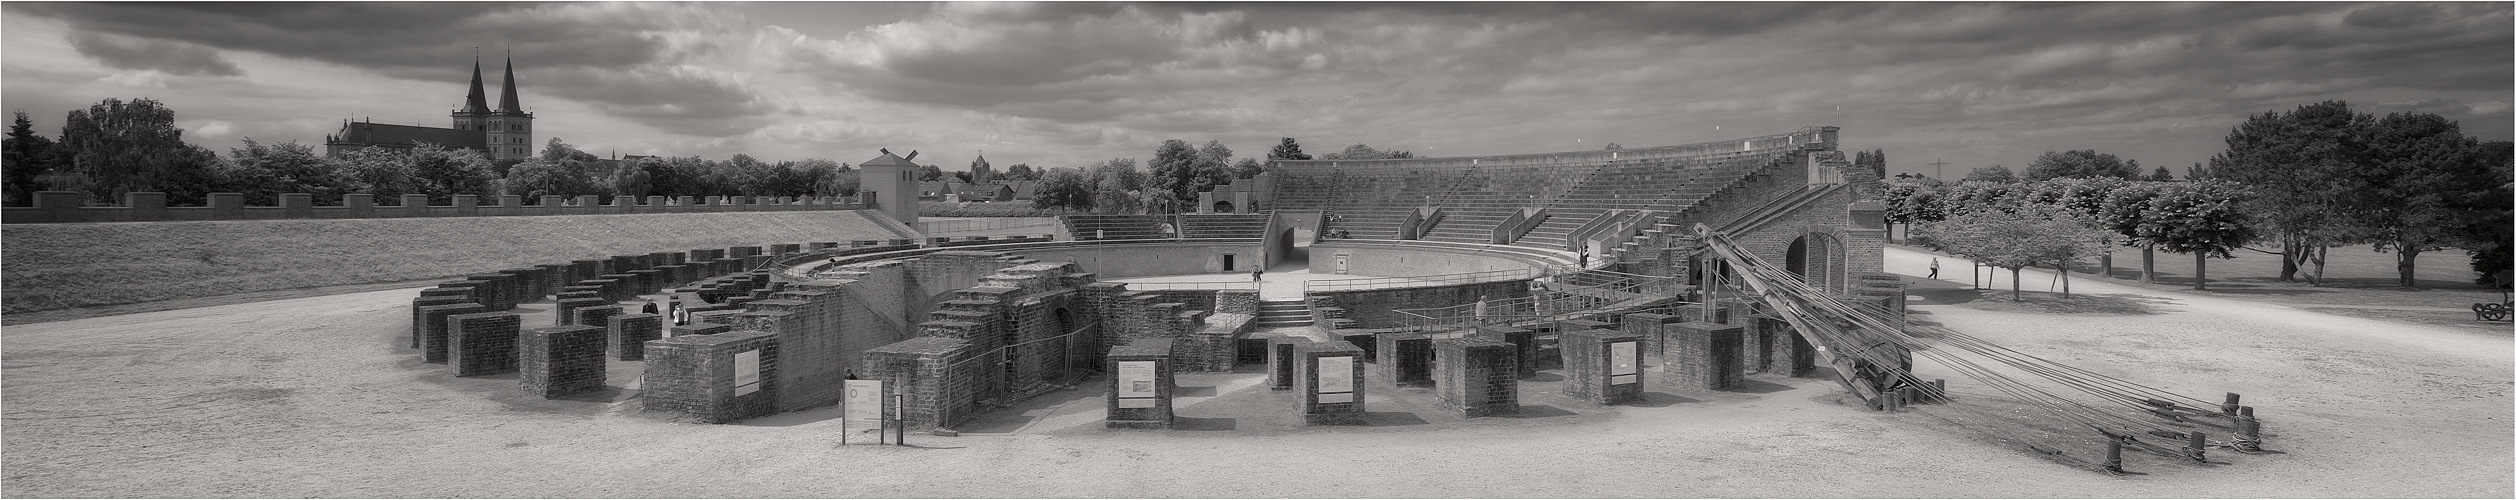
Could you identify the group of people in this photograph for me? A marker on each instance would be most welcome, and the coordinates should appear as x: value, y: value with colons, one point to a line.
x: 674, y: 312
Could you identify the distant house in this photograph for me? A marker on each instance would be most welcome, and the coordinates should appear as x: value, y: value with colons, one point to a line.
x: 977, y: 191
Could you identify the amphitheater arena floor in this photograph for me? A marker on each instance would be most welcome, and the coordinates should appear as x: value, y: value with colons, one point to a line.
x: 320, y: 397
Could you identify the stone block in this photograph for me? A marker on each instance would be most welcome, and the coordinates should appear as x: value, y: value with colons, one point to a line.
x: 1406, y: 359
x: 1602, y: 366
x: 482, y: 343
x: 627, y: 334
x: 432, y: 347
x: 560, y: 360
x: 1331, y: 382
x: 1141, y: 386
x: 1479, y: 376
x: 715, y: 378
x: 1706, y: 356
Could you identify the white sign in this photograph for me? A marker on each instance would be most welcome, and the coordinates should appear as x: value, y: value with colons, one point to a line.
x: 1621, y: 367
x: 1336, y: 379
x: 864, y: 402
x: 1135, y: 380
x: 746, y: 372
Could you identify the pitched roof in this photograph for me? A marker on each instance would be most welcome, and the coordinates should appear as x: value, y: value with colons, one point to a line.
x: 477, y: 102
x: 506, y: 98
x: 407, y: 135
x: 887, y: 160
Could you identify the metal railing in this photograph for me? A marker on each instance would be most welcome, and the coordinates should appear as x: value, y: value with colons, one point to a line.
x: 1192, y: 285
x: 945, y: 227
x: 1569, y: 295
x: 1337, y: 285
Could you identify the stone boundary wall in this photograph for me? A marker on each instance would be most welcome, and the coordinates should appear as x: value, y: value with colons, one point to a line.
x: 1378, y: 308
x: 69, y: 207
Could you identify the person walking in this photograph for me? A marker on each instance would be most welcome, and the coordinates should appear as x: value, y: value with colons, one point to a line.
x: 1256, y: 275
x: 649, y: 309
x: 1934, y: 268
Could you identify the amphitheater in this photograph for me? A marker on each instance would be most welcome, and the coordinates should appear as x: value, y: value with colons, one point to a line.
x: 1709, y: 319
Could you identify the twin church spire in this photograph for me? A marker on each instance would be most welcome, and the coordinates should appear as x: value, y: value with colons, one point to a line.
x: 478, y: 102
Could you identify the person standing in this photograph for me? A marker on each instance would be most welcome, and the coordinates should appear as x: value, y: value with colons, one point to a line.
x: 1934, y: 268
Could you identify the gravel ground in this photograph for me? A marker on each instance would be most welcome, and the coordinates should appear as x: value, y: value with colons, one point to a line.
x: 317, y: 397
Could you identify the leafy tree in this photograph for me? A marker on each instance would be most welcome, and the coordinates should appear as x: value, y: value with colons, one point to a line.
x: 1287, y: 150
x: 122, y: 147
x: 1063, y: 188
x: 1021, y: 172
x: 263, y: 172
x: 1365, y: 152
x: 2195, y: 172
x: 2160, y: 175
x: 24, y: 155
x: 1994, y: 174
x: 962, y: 177
x: 2080, y: 163
x: 442, y: 173
x: 2034, y: 236
x: 929, y: 173
x: 2122, y: 213
x: 543, y: 176
x: 555, y: 151
x: 1118, y: 187
x: 1248, y: 168
x: 2487, y: 231
x: 2302, y: 167
x: 1214, y: 168
x: 381, y: 172
x: 2203, y: 218
x: 2417, y: 167
x: 645, y: 177
x: 1612, y: 146
x: 1914, y: 200
x: 1174, y: 174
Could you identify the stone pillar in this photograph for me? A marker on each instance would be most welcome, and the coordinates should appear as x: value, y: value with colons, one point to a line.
x: 1406, y: 359
x: 1786, y: 352
x: 1524, y: 344
x: 499, y: 295
x: 568, y: 307
x: 1654, y: 331
x: 419, y: 314
x: 432, y: 342
x: 482, y: 343
x: 1331, y: 382
x: 937, y: 392
x: 560, y: 360
x: 599, y: 316
x: 1602, y: 366
x: 718, y: 378
x: 627, y: 334
x: 1141, y: 388
x: 1281, y: 363
x: 1706, y: 356
x: 701, y: 329
x: 1479, y: 376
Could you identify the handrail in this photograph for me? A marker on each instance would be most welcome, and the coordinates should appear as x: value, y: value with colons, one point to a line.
x: 1338, y: 285
x: 1192, y: 285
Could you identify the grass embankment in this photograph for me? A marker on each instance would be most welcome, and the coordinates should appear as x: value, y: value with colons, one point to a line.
x: 984, y: 209
x: 63, y: 266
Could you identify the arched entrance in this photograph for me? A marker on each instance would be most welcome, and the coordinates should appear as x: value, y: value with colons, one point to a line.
x: 1222, y: 207
x: 1796, y: 259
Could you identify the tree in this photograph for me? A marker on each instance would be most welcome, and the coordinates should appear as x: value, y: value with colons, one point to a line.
x: 2081, y: 164
x: 645, y: 177
x: 543, y: 176
x: 1118, y: 187
x: 1612, y: 146
x: 1021, y: 172
x: 1286, y: 150
x: 1913, y: 200
x: 123, y: 147
x: 1248, y: 168
x: 2301, y: 167
x: 1214, y: 168
x: 1174, y: 174
x: 24, y: 155
x: 2487, y: 231
x: 2122, y: 213
x: 2195, y: 172
x: 442, y: 173
x: 2203, y: 218
x: 930, y: 173
x: 1063, y: 188
x: 263, y: 172
x: 2035, y: 236
x: 2160, y: 175
x: 1365, y: 152
x: 1992, y: 174
x: 2418, y: 165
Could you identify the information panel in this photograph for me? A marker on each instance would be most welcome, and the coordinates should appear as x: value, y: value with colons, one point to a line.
x: 1136, y: 384
x: 864, y: 403
x: 1621, y: 367
x: 1336, y: 379
x: 746, y: 372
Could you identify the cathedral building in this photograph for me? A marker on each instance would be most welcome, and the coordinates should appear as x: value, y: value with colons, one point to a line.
x: 502, y: 134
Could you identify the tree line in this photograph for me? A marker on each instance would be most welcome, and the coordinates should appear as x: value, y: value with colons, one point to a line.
x: 1173, y: 178
x: 2306, y: 180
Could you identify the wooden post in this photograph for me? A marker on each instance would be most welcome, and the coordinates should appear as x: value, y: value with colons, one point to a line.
x: 1940, y: 387
x: 2245, y: 411
x: 2249, y: 435
x: 900, y: 412
x: 2193, y: 446
x: 2114, y: 455
x: 2229, y: 407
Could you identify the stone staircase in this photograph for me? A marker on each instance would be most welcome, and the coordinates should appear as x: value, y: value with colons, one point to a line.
x: 1282, y: 313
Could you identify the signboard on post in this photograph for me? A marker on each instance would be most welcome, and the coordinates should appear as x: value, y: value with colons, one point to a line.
x: 1336, y: 379
x: 1621, y: 366
x: 746, y: 372
x: 861, y: 408
x: 1136, y: 384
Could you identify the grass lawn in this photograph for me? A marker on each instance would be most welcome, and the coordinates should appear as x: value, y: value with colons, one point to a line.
x: 2356, y: 279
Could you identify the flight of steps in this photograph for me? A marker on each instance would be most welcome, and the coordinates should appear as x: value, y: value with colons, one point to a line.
x: 1282, y: 313
x: 1559, y: 224
x: 1468, y: 225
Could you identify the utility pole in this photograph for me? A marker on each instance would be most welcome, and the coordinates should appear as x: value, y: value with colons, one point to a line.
x: 1935, y: 170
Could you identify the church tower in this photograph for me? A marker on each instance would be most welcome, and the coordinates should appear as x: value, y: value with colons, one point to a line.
x: 980, y: 171
x: 475, y: 112
x: 510, y: 128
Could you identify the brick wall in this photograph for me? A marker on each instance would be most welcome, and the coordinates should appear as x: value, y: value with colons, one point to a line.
x: 1152, y: 412
x: 1406, y: 359
x: 433, y: 328
x: 1317, y: 410
x: 1377, y: 308
x: 695, y: 375
x: 626, y: 334
x: 561, y: 360
x: 1591, y: 371
x: 482, y: 343
x: 1478, y: 376
x: 1706, y: 356
x: 936, y: 374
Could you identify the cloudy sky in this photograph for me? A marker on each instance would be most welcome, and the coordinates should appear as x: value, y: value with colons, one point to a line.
x: 1066, y: 84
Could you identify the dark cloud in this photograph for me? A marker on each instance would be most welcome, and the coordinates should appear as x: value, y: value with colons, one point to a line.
x: 170, y: 57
